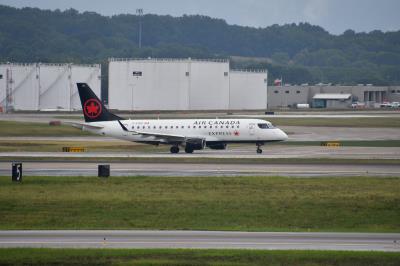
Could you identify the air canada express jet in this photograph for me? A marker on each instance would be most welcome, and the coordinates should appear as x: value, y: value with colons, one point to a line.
x: 190, y: 134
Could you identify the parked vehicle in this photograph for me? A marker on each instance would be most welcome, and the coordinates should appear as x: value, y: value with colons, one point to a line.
x: 358, y: 105
x: 386, y: 105
x: 395, y: 105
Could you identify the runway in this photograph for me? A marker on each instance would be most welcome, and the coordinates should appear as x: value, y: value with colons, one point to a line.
x: 234, y: 152
x: 200, y: 239
x: 204, y: 169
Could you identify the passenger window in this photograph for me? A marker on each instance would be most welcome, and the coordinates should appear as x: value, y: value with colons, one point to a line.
x: 166, y: 127
x: 182, y: 126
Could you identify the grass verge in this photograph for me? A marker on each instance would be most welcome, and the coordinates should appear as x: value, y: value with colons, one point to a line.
x: 90, y: 146
x: 192, y: 257
x: 202, y: 203
x: 337, y: 122
x: 346, y: 143
x: 24, y: 129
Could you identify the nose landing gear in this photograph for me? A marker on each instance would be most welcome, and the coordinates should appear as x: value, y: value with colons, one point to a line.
x: 259, y: 150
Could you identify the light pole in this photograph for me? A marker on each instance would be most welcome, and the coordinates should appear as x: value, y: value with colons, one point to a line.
x: 139, y: 12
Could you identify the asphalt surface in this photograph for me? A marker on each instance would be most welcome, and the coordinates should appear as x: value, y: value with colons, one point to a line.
x: 206, y: 169
x: 200, y: 239
x: 241, y: 152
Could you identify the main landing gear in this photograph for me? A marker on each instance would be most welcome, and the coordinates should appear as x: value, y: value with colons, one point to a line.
x: 259, y: 150
x: 174, y: 149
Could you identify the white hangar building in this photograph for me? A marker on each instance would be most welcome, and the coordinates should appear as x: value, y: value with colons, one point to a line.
x: 183, y: 84
x: 39, y: 86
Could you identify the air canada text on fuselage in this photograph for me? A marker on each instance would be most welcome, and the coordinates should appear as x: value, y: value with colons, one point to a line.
x: 216, y: 122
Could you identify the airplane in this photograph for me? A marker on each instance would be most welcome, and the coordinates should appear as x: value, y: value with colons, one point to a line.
x: 190, y: 134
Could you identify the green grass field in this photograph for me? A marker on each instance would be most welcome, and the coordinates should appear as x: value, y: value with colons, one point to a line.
x: 202, y: 203
x: 337, y: 122
x: 90, y: 146
x: 193, y: 257
x: 24, y: 129
x: 344, y: 143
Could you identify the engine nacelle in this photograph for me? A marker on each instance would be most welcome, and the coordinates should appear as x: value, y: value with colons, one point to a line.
x: 216, y: 146
x: 195, y: 144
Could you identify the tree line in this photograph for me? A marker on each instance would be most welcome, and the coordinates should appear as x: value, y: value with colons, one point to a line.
x: 300, y: 53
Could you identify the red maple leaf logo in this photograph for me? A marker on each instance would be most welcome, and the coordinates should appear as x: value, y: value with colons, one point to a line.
x: 92, y: 108
x: 236, y: 133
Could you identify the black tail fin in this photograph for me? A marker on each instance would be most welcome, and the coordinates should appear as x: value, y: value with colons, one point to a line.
x: 93, y: 109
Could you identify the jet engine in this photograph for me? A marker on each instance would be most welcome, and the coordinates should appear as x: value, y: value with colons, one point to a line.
x: 216, y: 145
x: 195, y: 144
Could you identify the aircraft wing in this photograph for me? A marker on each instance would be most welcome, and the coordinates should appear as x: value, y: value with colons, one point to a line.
x: 83, y: 125
x: 169, y: 138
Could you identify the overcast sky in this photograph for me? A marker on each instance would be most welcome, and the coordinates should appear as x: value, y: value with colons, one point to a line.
x: 334, y: 15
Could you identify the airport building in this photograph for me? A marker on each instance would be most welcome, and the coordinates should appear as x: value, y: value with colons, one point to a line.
x: 37, y: 86
x: 330, y: 96
x: 184, y: 84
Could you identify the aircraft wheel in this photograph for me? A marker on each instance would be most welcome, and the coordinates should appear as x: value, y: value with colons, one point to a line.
x: 174, y: 149
x: 188, y: 150
x: 259, y: 151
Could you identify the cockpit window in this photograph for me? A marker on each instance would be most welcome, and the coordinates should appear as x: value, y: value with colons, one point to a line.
x: 265, y: 125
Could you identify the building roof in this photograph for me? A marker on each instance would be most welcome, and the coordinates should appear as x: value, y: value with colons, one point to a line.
x: 332, y: 96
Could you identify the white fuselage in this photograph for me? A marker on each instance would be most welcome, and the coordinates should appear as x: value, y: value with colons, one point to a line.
x: 211, y: 130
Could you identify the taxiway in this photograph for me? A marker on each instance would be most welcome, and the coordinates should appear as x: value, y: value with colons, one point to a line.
x: 200, y: 239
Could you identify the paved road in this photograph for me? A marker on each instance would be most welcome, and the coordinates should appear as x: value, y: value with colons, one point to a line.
x: 206, y: 169
x: 242, y: 152
x: 200, y: 239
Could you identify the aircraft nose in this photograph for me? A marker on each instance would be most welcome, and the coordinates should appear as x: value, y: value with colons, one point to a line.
x: 282, y: 135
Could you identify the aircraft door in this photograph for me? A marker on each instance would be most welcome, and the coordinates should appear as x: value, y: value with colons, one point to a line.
x: 252, y: 128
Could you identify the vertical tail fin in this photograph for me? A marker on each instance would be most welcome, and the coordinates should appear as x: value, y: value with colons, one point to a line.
x: 93, y: 109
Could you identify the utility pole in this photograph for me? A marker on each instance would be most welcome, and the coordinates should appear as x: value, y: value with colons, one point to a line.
x: 139, y: 12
